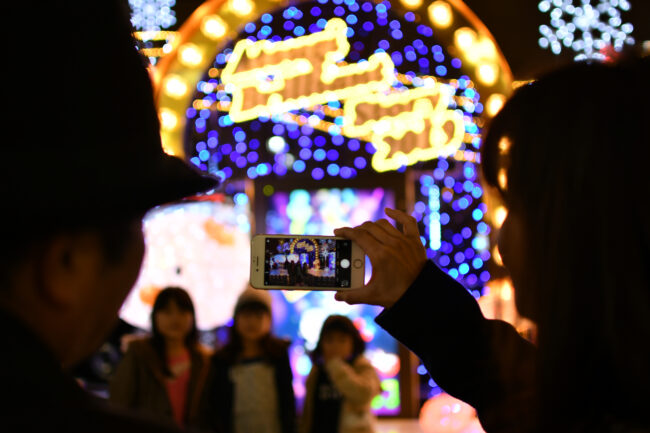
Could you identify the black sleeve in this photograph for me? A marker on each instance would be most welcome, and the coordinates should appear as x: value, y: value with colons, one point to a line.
x: 286, y: 395
x: 215, y: 410
x: 485, y: 363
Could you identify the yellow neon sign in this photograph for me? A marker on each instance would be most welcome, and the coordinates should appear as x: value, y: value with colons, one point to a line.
x: 438, y: 130
x: 268, y: 78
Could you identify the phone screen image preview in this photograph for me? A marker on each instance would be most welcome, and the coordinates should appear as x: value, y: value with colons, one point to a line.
x: 304, y: 261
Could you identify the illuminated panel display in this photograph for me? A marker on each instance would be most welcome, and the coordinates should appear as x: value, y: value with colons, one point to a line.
x: 299, y: 315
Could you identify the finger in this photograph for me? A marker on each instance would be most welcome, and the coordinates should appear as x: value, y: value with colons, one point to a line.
x: 368, y: 243
x: 356, y: 296
x: 409, y: 224
x: 389, y: 228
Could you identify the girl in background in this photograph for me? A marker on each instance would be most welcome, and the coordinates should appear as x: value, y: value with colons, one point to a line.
x: 250, y: 385
x: 163, y: 375
x: 342, y: 382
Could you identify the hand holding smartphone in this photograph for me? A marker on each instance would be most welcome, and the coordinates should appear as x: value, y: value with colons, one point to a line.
x: 306, y: 262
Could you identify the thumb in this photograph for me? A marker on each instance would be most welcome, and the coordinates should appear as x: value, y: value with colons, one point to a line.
x: 362, y: 295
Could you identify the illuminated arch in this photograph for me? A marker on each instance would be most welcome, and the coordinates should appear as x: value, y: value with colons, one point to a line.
x: 216, y: 22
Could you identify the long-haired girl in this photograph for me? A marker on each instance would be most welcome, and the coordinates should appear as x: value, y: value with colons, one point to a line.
x: 164, y: 373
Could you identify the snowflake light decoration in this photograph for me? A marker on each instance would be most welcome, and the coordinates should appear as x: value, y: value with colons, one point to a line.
x: 586, y: 29
x: 152, y: 15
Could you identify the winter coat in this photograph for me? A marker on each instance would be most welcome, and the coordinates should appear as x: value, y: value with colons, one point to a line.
x: 139, y: 382
x: 358, y: 383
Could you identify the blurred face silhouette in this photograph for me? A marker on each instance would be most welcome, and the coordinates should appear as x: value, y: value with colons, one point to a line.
x: 337, y: 344
x: 252, y: 324
x: 173, y: 322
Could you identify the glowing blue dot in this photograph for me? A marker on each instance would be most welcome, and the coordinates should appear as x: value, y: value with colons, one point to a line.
x: 423, y: 62
x: 394, y: 24
x: 305, y: 153
x: 321, y: 23
x: 332, y: 155
x: 463, y: 268
x: 299, y: 31
x: 299, y: 166
x: 337, y: 140
x: 252, y: 157
x: 200, y: 146
x: 367, y: 6
x: 240, y: 136
x: 380, y: 8
x: 471, y: 280
x: 351, y: 19
x: 241, y: 162
x: 422, y: 370
x: 346, y: 172
x: 444, y: 261
x: 477, y: 263
x: 441, y: 70
x: 251, y: 173
x: 320, y: 141
x: 213, y: 142
x: 466, y: 232
x: 409, y: 16
x: 453, y: 273
x: 204, y: 155
x: 439, y: 57
x: 333, y: 169
x: 254, y: 144
x: 485, y: 276
x: 411, y: 56
x: 360, y: 162
x: 370, y: 148
x: 280, y: 169
x: 457, y: 239
x: 320, y: 154
x: 263, y: 169
x: 477, y: 214
x: 339, y: 11
x: 267, y: 18
x: 397, y: 58
x: 397, y: 34
x: 317, y: 173
x: 354, y: 145
x: 250, y: 27
x: 459, y: 257
x: 384, y: 44
x: 315, y: 11
x: 288, y: 25
x: 240, y: 147
x: 190, y: 113
x: 304, y: 141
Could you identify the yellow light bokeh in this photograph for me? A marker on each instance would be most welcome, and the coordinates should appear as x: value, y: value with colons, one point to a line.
x: 494, y: 104
x: 241, y: 8
x: 465, y: 38
x: 440, y: 14
x: 175, y: 86
x: 168, y: 119
x: 190, y: 55
x: 487, y: 73
x: 412, y: 4
x: 500, y: 215
x: 214, y: 27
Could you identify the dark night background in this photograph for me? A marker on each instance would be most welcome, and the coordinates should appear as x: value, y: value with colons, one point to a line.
x: 514, y: 24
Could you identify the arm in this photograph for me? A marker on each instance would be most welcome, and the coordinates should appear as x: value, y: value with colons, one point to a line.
x: 483, y: 362
x: 123, y: 385
x: 286, y: 395
x: 358, y: 385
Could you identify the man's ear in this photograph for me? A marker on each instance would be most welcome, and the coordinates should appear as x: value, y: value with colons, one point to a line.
x: 70, y: 265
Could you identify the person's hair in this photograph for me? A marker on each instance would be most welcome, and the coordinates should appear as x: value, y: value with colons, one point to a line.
x: 574, y: 146
x: 183, y: 301
x: 273, y: 348
x: 343, y: 325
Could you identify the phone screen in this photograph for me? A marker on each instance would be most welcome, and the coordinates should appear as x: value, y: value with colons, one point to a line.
x: 307, y: 261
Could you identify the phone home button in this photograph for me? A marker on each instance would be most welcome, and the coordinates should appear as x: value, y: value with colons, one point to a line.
x: 358, y: 263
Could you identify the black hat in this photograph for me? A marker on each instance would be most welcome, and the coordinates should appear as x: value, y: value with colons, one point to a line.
x: 85, y: 132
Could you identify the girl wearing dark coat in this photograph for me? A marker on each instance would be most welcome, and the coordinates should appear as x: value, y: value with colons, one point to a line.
x: 250, y: 388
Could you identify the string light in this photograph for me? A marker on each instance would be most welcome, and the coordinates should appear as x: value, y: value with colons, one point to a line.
x: 585, y: 28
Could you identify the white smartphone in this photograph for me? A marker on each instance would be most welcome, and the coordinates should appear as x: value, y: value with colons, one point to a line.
x: 306, y: 262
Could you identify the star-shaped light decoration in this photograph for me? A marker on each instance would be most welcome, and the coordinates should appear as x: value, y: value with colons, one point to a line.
x: 589, y: 30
